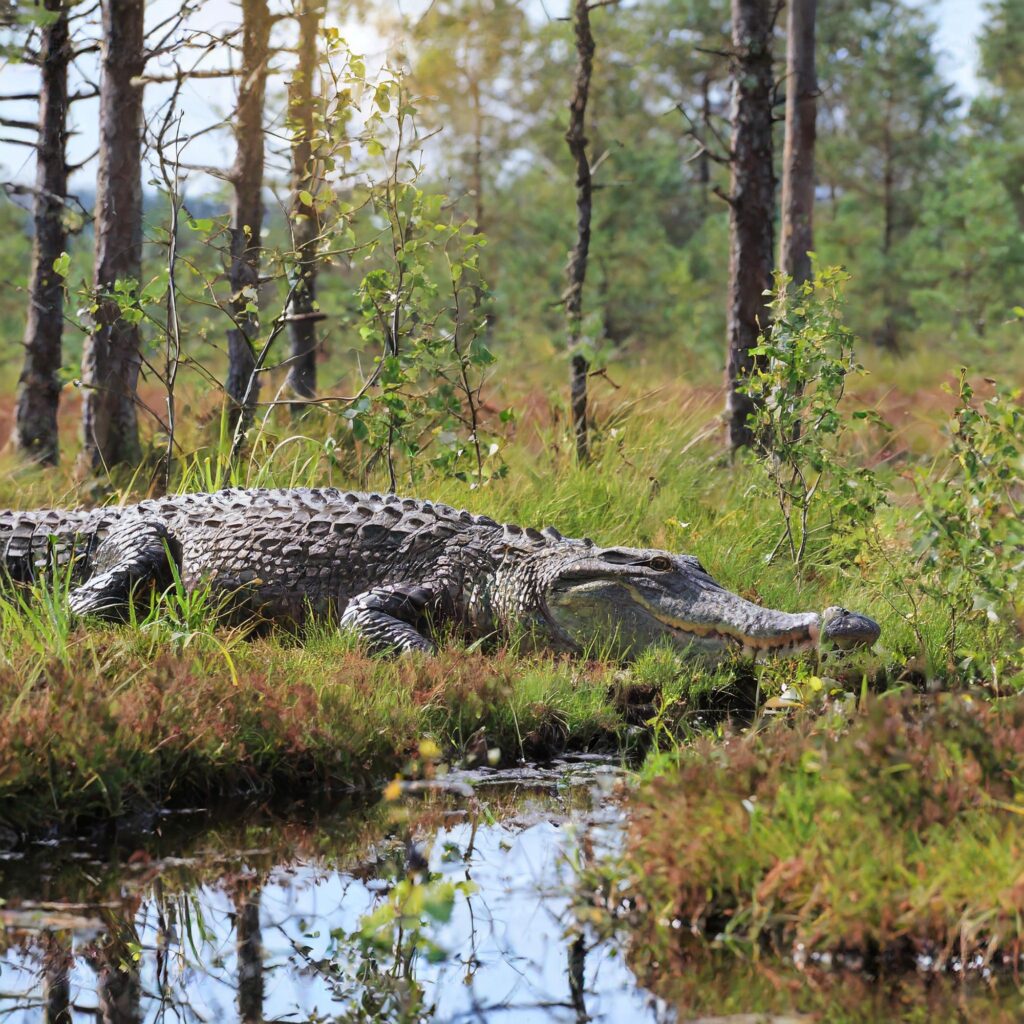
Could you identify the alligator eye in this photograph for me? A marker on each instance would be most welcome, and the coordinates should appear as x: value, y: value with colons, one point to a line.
x: 660, y: 563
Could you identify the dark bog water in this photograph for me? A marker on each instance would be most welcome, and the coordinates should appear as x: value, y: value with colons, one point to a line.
x: 240, y: 915
x: 256, y: 919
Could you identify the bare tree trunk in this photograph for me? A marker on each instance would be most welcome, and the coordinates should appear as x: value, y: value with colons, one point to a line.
x: 35, y: 425
x: 798, y: 156
x: 887, y: 334
x: 303, y: 315
x: 477, y: 174
x: 704, y: 164
x: 751, y: 203
x: 488, y: 268
x: 247, y: 210
x: 576, y: 270
x: 111, y: 360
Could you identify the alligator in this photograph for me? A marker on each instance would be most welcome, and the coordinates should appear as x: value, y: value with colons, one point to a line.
x: 403, y: 573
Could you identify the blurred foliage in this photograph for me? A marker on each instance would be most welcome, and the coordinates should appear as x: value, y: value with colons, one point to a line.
x: 971, y: 546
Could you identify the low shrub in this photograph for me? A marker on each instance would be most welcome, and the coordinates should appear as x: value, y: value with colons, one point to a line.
x: 900, y: 831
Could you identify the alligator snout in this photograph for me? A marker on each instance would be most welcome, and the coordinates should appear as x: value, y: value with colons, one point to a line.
x: 848, y: 630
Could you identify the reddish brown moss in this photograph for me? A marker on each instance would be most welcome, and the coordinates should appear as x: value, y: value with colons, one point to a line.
x: 124, y: 724
x: 900, y: 830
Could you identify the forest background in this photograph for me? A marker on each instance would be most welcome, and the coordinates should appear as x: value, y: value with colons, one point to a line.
x: 917, y: 191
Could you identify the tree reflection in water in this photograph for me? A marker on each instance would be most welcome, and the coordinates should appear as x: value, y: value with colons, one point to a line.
x: 115, y: 957
x: 249, y: 945
x: 264, y: 919
x: 57, y: 962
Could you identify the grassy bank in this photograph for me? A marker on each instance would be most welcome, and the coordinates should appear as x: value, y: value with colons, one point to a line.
x: 94, y: 719
x: 125, y: 720
x: 98, y: 721
x: 893, y: 836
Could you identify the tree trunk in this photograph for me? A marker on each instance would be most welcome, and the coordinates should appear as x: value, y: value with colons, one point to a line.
x: 487, y: 269
x: 704, y: 164
x: 305, y: 218
x: 111, y: 359
x: 35, y: 426
x: 886, y: 335
x: 242, y: 384
x: 576, y: 270
x: 751, y: 203
x: 477, y: 158
x: 798, y: 156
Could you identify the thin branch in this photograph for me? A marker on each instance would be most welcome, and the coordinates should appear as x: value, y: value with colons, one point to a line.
x: 718, y: 191
x: 14, y: 189
x: 247, y: 399
x: 695, y: 133
x: 726, y: 54
x: 10, y: 122
x: 77, y: 167
x: 179, y: 75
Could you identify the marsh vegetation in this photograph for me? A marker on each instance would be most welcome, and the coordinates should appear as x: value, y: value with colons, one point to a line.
x: 317, y: 251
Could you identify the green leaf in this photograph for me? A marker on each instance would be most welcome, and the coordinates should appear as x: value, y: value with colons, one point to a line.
x: 62, y: 265
x: 439, y: 901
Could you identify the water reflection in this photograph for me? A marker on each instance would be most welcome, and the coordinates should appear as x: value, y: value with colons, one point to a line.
x: 57, y: 959
x: 118, y: 986
x: 249, y: 946
x: 263, y: 920
x: 439, y: 907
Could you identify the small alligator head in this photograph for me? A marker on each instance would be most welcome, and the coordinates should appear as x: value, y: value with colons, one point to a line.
x: 626, y: 599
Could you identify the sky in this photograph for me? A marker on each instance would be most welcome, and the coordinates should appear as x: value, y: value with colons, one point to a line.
x: 207, y: 101
x: 959, y: 23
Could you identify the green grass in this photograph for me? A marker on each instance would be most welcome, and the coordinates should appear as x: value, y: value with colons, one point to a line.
x: 95, y: 719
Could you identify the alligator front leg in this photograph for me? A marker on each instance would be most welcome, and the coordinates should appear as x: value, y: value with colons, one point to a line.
x: 135, y: 553
x: 392, y: 618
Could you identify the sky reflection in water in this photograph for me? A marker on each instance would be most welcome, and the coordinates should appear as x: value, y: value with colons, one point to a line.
x: 509, y: 952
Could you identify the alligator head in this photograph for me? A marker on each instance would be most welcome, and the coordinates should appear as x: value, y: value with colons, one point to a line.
x: 626, y: 599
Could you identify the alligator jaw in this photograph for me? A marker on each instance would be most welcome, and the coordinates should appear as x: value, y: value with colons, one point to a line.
x: 801, y: 636
x: 836, y: 626
x: 707, y: 620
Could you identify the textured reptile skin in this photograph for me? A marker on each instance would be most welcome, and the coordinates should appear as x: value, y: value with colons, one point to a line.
x: 399, y: 570
x: 283, y: 555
